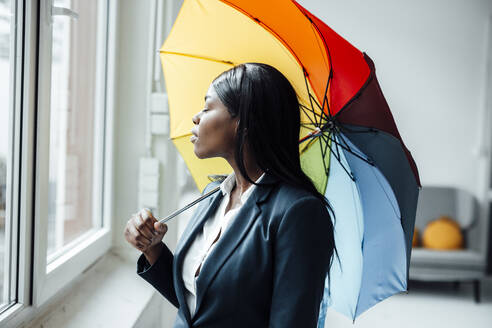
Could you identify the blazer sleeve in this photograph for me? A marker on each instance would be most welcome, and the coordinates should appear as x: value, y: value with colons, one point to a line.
x: 301, y: 252
x: 160, y: 274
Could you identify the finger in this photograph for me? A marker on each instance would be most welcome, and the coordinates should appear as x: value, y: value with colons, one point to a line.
x: 141, y: 247
x: 143, y: 227
x: 146, y: 212
x: 135, y: 236
x: 148, y: 217
x: 138, y: 237
x: 127, y: 231
x: 150, y: 220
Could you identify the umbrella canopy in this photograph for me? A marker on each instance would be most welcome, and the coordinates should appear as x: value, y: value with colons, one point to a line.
x: 349, y: 143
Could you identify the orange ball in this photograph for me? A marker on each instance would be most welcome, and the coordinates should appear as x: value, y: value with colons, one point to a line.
x: 443, y: 233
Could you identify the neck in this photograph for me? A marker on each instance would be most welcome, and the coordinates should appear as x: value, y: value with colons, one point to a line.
x: 252, y: 169
x: 241, y: 181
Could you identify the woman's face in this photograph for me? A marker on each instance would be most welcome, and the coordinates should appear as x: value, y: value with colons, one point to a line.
x: 215, y: 130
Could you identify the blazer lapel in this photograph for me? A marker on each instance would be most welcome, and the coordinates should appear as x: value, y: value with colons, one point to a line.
x: 234, y: 234
x: 198, y: 219
x: 192, y: 229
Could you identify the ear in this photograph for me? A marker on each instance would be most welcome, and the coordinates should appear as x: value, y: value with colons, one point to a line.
x: 237, y: 125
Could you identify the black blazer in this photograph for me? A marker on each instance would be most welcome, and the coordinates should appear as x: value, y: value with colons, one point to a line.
x: 267, y: 270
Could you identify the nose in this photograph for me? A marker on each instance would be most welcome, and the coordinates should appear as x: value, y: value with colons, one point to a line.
x: 196, y: 118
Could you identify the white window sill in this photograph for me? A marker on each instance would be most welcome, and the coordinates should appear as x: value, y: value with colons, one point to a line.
x: 108, y: 294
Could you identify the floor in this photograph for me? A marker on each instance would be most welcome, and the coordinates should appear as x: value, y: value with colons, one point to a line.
x: 427, y: 304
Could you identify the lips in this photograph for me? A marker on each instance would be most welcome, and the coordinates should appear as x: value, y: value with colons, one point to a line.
x: 193, y: 136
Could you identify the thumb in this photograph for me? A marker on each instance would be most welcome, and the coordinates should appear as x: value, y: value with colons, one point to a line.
x: 160, y: 227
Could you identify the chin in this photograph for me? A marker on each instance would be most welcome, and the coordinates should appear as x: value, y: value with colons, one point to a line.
x: 202, y: 154
x: 199, y: 154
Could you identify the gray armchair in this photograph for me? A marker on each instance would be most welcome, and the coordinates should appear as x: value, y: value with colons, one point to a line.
x: 466, y: 265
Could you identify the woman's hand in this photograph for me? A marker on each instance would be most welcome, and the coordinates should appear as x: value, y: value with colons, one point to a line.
x: 145, y: 233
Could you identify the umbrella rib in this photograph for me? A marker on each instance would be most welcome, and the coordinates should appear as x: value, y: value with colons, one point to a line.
x: 323, y: 154
x: 336, y: 154
x: 312, y: 111
x: 387, y: 196
x: 326, y: 138
x: 342, y: 139
x: 319, y: 35
x: 361, y: 131
x: 330, y: 66
x: 304, y: 110
x: 368, y: 161
x: 228, y: 62
x: 341, y: 164
x: 330, y: 135
x: 309, y: 93
x: 307, y: 124
x: 327, y: 144
x: 309, y: 109
x: 330, y: 74
x: 316, y: 32
x: 315, y: 101
x: 325, y: 99
x: 324, y: 150
x: 324, y: 40
x: 311, y: 97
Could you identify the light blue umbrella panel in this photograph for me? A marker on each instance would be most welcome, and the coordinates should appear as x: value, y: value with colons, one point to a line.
x: 368, y: 235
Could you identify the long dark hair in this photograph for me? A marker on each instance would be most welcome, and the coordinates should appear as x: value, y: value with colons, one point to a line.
x: 269, y: 123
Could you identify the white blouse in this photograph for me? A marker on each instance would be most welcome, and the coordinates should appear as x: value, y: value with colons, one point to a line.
x: 202, y: 246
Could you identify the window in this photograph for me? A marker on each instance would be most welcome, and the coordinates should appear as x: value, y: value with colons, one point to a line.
x: 7, y: 69
x: 56, y: 85
x: 72, y: 160
x: 71, y: 134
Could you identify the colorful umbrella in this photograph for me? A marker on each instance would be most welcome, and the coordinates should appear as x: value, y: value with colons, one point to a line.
x: 349, y: 143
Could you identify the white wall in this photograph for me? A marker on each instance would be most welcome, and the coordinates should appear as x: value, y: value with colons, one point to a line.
x: 130, y: 125
x: 430, y: 59
x: 131, y: 97
x: 130, y: 109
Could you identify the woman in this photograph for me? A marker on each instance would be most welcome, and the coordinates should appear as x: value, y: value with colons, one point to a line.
x: 255, y: 254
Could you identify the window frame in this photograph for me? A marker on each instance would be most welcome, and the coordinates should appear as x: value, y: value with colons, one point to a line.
x: 49, y: 278
x: 12, y: 160
x: 36, y: 288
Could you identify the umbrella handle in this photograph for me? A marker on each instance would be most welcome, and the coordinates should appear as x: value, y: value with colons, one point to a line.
x: 199, y: 199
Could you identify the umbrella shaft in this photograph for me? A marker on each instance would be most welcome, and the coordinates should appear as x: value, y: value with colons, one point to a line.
x: 199, y: 199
